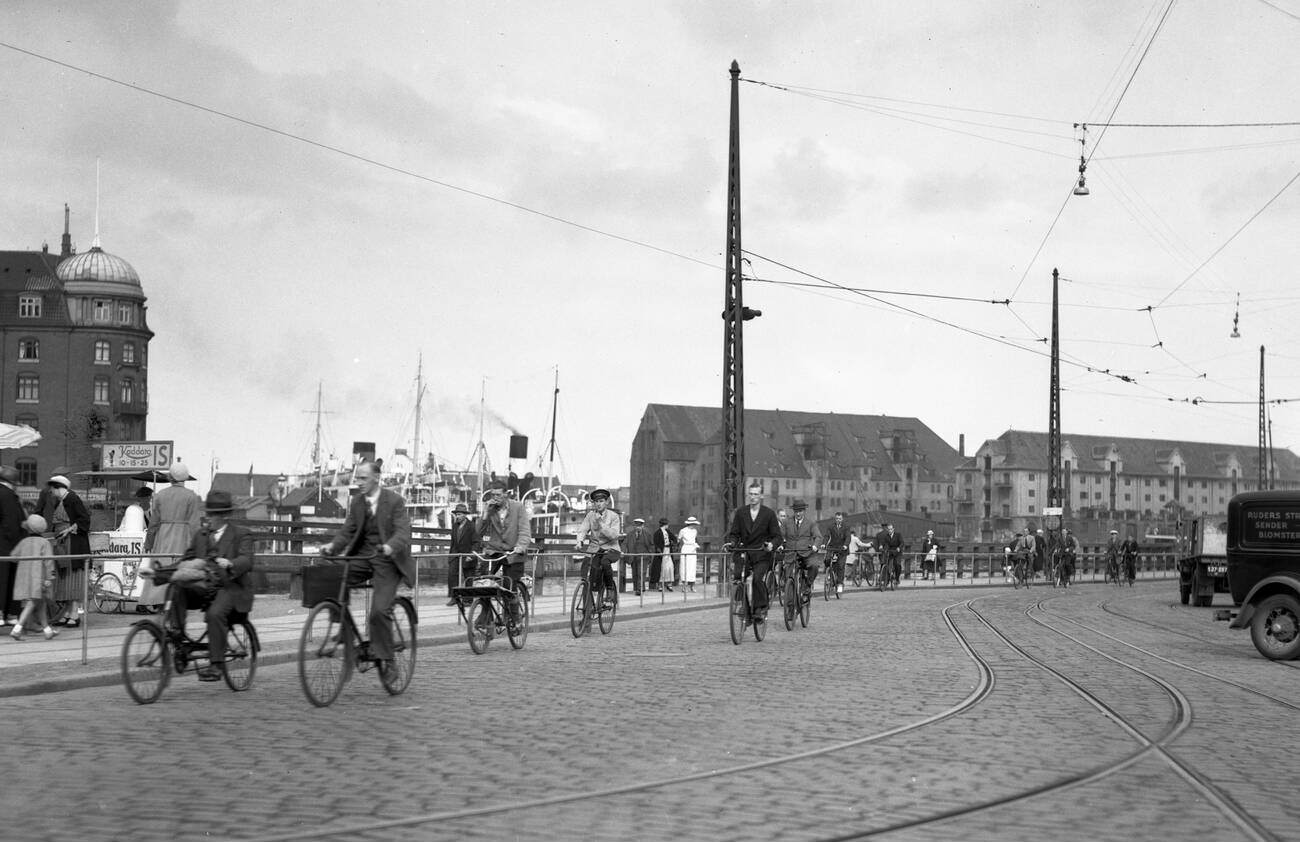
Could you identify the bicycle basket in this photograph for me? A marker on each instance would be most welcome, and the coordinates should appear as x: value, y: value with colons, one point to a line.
x: 526, y: 580
x: 321, y: 582
x: 484, y: 583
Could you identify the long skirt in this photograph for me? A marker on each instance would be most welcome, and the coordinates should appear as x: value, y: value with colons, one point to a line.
x: 70, y: 583
x: 688, y: 562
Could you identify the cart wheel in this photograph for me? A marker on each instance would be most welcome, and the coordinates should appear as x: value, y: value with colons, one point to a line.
x: 146, y: 664
x: 579, y: 622
x: 519, y: 635
x: 107, y: 593
x: 606, y: 615
x: 397, y: 679
x: 324, y: 654
x: 241, y: 656
x: 478, y: 625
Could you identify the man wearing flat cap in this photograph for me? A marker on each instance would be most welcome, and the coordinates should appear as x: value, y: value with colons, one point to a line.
x: 601, y: 534
x: 803, y: 542
x: 229, y: 549
x: 461, y: 564
x: 639, y: 547
x: 505, y: 530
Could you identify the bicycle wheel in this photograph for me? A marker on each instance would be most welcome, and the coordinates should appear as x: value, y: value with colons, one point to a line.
x: 324, y: 653
x: 828, y: 585
x: 478, y: 625
x: 106, y: 593
x: 857, y: 575
x: 146, y: 662
x: 397, y: 679
x: 241, y: 656
x: 579, y: 620
x: 790, y: 604
x: 606, y: 615
x: 775, y: 585
x: 518, y: 632
x: 738, y: 612
x: 760, y: 629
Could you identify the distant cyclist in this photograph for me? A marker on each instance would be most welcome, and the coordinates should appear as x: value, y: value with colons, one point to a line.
x: 1112, y: 555
x: 505, y: 531
x: 1069, y: 552
x: 837, y: 549
x: 803, y: 540
x: 600, y: 532
x: 1129, y: 550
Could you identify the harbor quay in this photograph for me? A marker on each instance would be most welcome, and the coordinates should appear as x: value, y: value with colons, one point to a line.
x: 950, y: 711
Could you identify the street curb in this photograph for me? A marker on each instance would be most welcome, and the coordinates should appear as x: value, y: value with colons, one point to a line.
x: 285, y: 652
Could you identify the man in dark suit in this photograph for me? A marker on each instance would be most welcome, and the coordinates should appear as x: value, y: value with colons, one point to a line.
x: 754, y: 533
x: 230, y: 548
x: 11, y: 532
x: 639, y: 546
x: 890, y: 546
x: 461, y: 564
x: 506, y: 531
x: 377, y: 525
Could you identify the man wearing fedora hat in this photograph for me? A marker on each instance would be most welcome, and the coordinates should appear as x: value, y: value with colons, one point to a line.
x: 803, y: 541
x: 229, y: 548
x: 461, y: 563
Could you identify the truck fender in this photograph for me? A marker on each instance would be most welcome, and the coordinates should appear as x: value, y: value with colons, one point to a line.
x: 1264, y: 587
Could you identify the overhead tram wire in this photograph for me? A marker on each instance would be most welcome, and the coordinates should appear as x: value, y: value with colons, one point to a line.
x: 358, y: 157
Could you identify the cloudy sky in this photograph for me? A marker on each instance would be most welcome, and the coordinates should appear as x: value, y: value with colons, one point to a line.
x: 516, y: 189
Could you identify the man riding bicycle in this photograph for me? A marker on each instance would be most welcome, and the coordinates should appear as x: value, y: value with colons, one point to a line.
x: 227, y: 550
x: 890, y: 546
x: 803, y: 540
x: 504, y: 532
x: 754, y: 534
x: 1112, y: 556
x: 1129, y: 549
x: 1069, y: 549
x: 837, y: 546
x: 601, y: 531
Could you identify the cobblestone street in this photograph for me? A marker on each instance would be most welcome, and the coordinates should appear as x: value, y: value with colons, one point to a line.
x: 875, y: 719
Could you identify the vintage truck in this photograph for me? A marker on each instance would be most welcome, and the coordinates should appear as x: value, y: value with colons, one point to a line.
x: 1264, y: 569
x: 1203, y: 565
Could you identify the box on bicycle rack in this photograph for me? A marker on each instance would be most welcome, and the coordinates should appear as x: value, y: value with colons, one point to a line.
x: 321, y: 582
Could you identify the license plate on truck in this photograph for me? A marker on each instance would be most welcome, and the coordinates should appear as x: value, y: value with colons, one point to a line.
x: 1216, y: 569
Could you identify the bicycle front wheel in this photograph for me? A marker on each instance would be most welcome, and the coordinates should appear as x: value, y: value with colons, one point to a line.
x: 240, y: 664
x: 579, y: 621
x: 775, y: 585
x: 478, y: 625
x: 398, y: 678
x: 805, y: 603
x: 606, y: 615
x: 146, y: 662
x: 517, y: 631
x: 790, y: 604
x: 738, y: 612
x: 828, y: 585
x: 324, y: 654
x: 857, y: 575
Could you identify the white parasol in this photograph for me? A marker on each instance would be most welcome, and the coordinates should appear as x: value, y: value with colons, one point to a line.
x: 14, y: 436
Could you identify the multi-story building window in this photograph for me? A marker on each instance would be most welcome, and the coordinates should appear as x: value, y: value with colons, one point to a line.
x: 29, y: 306
x: 103, y: 352
x: 101, y: 389
x: 124, y: 312
x: 29, y: 388
x: 26, y: 471
x: 128, y: 353
x: 28, y: 420
x: 29, y: 350
x: 128, y: 390
x: 103, y: 310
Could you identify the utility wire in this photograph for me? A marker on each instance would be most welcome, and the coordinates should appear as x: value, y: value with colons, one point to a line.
x: 358, y: 157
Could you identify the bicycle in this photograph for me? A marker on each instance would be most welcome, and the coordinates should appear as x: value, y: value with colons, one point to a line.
x: 740, y: 613
x: 1022, y: 572
x: 1112, y: 569
x: 855, y: 574
x: 332, y: 645
x: 798, y: 599
x: 153, y: 648
x: 589, y: 600
x: 887, y: 575
x: 1130, y: 569
x: 1063, y: 569
x: 484, y: 606
x: 832, y: 580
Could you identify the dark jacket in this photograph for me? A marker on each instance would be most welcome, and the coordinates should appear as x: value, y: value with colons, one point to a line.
x: 393, y: 523
x: 837, y: 537
x: 752, y: 532
x: 463, y: 537
x: 660, y: 544
x: 78, y: 543
x: 236, y: 545
x: 11, y: 520
x: 639, y: 543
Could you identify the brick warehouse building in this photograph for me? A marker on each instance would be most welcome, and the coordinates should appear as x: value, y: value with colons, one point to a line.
x: 1147, y: 485
x: 74, y: 358
x: 851, y: 463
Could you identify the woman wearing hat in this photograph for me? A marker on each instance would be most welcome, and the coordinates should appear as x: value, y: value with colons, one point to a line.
x: 689, y: 537
x: 174, y: 517
x: 35, y: 581
x: 71, y: 525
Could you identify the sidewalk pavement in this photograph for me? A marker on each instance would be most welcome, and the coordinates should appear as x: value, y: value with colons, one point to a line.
x: 89, y: 656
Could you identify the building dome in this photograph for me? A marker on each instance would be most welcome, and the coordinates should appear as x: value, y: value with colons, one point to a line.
x: 98, y: 272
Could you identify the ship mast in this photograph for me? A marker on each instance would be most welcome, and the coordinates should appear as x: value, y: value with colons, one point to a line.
x: 419, y: 397
x: 550, y: 448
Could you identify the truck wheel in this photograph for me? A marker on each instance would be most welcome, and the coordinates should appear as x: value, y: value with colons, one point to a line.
x: 1275, y: 628
x: 1185, y: 593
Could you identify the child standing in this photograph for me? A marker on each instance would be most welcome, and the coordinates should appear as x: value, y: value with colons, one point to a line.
x: 35, y: 579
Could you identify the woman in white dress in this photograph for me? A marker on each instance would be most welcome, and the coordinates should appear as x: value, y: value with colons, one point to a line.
x: 689, y: 538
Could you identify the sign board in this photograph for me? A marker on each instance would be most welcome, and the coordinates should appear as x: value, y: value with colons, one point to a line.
x: 1053, y: 510
x: 136, y: 455
x: 1276, y: 524
x: 125, y: 569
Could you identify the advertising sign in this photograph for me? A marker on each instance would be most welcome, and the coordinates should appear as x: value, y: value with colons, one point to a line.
x: 135, y: 455
x: 1274, y: 523
x: 121, y: 544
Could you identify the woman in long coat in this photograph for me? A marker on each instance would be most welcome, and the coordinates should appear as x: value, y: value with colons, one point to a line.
x: 174, y: 517
x: 70, y: 523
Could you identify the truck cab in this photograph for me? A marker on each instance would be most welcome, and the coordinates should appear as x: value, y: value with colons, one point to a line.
x: 1264, y: 569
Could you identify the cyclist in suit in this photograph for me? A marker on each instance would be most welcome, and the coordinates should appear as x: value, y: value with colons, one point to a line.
x: 505, y: 528
x: 754, y: 534
x: 803, y: 541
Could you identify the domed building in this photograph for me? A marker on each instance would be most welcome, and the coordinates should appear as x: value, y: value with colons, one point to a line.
x: 75, y: 356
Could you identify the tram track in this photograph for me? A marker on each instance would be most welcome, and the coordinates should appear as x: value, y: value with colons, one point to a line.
x: 1148, y: 747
